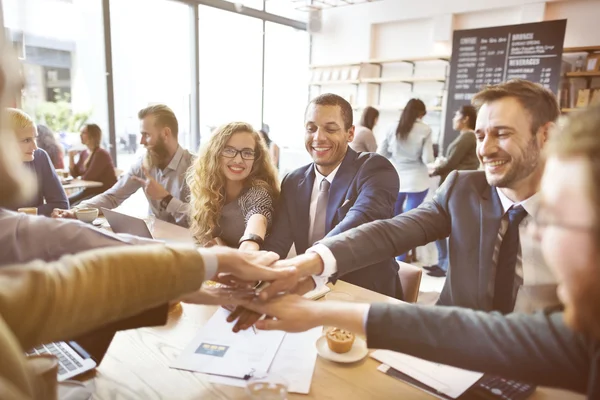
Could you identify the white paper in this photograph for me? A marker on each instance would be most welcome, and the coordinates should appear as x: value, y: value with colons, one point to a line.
x: 217, y: 350
x: 445, y: 379
x: 295, y: 362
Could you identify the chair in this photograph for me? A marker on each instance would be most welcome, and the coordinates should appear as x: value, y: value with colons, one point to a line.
x: 410, y: 277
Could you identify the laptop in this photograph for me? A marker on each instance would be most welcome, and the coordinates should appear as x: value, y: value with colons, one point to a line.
x: 121, y: 223
x: 73, y: 360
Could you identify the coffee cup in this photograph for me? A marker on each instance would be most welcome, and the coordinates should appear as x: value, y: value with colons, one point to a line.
x: 86, y: 214
x: 28, y: 210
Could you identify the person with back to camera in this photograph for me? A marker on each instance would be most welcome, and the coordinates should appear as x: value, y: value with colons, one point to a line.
x: 47, y: 141
x: 409, y: 147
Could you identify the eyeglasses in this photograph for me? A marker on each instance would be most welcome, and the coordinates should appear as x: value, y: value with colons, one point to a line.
x: 543, y: 218
x: 247, y: 154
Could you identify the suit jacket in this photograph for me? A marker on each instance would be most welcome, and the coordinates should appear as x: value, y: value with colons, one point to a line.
x: 461, y: 155
x: 44, y: 293
x: 535, y: 348
x: 364, y: 189
x: 467, y: 209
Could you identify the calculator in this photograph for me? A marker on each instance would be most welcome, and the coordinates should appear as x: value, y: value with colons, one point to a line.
x: 491, y: 387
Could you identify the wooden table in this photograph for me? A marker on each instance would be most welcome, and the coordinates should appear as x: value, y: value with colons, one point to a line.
x: 136, y: 366
x: 81, y: 184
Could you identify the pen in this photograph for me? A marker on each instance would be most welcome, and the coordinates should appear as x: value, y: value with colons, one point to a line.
x: 254, y: 329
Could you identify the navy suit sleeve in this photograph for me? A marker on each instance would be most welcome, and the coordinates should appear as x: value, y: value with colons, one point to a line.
x: 281, y: 238
x: 535, y: 348
x: 377, y: 192
x: 52, y: 190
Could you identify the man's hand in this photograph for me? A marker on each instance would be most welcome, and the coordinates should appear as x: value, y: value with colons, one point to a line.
x: 305, y: 264
x: 219, y: 295
x: 248, y: 267
x: 293, y: 313
x: 58, y: 213
x: 153, y: 189
x: 246, y: 318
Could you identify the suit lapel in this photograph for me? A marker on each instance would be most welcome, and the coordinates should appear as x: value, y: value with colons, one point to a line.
x: 491, y: 216
x: 305, y: 187
x: 339, y: 187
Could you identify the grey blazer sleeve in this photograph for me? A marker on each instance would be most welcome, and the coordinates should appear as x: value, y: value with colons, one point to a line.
x: 532, y: 348
x: 25, y: 238
x: 377, y: 241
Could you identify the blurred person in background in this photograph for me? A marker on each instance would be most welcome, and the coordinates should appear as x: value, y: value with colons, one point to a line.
x: 94, y: 164
x: 409, y: 147
x: 50, y: 193
x: 364, y: 138
x: 48, y: 141
x: 271, y: 145
x: 461, y: 155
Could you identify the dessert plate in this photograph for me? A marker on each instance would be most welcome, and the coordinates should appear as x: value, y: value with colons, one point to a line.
x: 357, y: 352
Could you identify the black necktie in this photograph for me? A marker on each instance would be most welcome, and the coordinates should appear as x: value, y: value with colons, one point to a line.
x: 507, y: 261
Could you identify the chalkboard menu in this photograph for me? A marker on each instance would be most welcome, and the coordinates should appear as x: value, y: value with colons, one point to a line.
x: 490, y: 56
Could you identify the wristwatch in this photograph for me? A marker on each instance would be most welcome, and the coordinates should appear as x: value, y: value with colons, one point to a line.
x: 251, y: 236
x: 165, y: 202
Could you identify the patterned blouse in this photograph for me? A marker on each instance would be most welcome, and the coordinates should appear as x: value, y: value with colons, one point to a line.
x: 235, y: 215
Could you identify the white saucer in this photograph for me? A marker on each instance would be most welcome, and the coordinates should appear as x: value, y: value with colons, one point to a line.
x: 357, y: 352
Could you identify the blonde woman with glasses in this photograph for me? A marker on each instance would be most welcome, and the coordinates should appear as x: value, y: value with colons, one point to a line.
x: 50, y: 193
x: 233, y: 186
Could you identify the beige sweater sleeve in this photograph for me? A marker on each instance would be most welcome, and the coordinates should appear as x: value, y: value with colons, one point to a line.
x: 43, y: 302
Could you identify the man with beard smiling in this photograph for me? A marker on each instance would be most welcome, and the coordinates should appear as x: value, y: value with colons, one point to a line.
x: 479, y: 210
x: 340, y: 190
x: 161, y: 172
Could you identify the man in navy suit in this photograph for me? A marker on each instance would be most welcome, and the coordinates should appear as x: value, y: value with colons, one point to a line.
x: 340, y: 190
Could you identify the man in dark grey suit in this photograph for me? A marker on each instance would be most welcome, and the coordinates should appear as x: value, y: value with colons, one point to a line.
x: 560, y: 349
x: 480, y: 211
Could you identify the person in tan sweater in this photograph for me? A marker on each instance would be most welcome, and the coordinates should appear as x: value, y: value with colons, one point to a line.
x: 42, y: 302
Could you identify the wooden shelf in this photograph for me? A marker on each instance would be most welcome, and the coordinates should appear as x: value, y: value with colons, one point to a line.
x: 585, y: 49
x: 407, y: 60
x: 403, y: 80
x: 389, y: 107
x: 338, y: 82
x: 316, y: 66
x: 584, y: 74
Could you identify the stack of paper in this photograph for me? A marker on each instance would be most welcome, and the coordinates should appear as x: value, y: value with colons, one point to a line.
x: 444, y: 379
x: 230, y: 358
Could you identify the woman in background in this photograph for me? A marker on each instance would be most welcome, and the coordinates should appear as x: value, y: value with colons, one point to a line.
x: 461, y: 155
x: 50, y: 193
x: 233, y: 186
x: 409, y: 147
x: 47, y: 141
x: 94, y: 164
x: 271, y: 145
x: 364, y: 139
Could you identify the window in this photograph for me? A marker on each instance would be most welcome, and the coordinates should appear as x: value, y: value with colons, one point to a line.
x: 230, y: 51
x: 286, y: 84
x: 287, y: 9
x: 151, y: 42
x: 257, y: 4
x: 61, y: 45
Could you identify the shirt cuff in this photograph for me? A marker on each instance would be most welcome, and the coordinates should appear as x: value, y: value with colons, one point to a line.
x: 173, y: 205
x: 211, y: 264
x: 329, y: 263
x: 366, y: 318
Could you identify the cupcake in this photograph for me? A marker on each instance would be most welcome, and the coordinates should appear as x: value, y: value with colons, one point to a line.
x: 339, y: 340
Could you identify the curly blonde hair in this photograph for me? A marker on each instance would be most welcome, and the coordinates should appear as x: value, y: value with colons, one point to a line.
x: 207, y: 182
